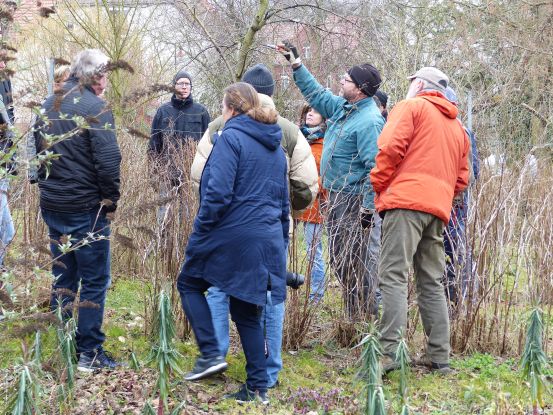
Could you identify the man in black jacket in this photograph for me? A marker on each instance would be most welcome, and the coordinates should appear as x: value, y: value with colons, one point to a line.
x: 77, y: 190
x: 176, y: 123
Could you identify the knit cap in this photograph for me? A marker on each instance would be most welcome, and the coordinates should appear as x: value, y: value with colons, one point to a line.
x: 366, y: 77
x: 261, y: 78
x: 182, y: 74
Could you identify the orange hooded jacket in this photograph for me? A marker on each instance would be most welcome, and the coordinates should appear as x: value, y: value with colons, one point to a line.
x: 423, y: 157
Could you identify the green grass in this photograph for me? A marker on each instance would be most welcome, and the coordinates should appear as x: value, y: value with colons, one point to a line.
x: 312, y: 379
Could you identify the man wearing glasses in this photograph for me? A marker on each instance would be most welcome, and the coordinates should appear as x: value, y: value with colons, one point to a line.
x: 354, y: 124
x: 175, y: 124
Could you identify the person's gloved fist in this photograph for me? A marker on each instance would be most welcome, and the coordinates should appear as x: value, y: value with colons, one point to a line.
x: 367, y: 220
x: 290, y: 52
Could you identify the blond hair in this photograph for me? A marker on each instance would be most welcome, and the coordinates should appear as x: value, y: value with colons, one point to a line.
x: 242, y: 98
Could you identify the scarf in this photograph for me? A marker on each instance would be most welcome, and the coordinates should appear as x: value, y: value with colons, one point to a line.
x: 312, y: 133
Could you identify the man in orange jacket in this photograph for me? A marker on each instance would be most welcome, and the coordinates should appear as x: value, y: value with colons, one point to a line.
x: 421, y: 165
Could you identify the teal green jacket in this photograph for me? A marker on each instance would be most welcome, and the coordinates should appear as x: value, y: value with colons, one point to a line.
x: 350, y: 139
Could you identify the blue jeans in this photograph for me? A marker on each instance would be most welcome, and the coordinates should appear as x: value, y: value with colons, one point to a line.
x: 88, y: 265
x: 457, y: 262
x: 272, y: 320
x: 313, y: 234
x: 7, y: 230
x: 246, y: 317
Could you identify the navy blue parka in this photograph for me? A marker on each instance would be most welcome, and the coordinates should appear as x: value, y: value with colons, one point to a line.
x: 240, y: 236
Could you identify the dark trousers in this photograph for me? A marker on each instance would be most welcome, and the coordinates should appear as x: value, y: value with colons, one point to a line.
x: 245, y: 315
x: 456, y: 269
x: 87, y: 265
x: 352, y: 258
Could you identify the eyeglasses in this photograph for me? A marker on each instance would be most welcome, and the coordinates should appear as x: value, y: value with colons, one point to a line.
x: 345, y: 78
x: 184, y: 84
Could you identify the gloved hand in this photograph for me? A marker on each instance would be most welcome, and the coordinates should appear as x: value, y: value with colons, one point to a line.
x: 367, y: 220
x: 290, y: 52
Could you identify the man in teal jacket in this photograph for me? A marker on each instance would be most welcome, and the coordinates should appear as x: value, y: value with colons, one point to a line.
x: 354, y: 124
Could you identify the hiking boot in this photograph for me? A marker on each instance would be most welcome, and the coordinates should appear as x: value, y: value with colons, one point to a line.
x: 96, y: 360
x: 389, y: 364
x: 441, y: 369
x: 244, y: 395
x: 206, y: 367
x: 422, y: 361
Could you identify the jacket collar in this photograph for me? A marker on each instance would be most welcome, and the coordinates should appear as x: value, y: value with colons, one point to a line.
x: 181, y: 103
x: 73, y: 82
x: 364, y: 103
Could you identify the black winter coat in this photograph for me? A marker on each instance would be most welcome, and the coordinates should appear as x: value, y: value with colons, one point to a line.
x: 178, y: 121
x: 6, y: 119
x: 7, y: 98
x: 88, y: 169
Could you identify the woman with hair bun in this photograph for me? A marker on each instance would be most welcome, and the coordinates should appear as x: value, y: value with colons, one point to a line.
x: 240, y: 236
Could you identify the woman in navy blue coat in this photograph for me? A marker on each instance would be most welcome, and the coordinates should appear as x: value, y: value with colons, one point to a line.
x: 240, y: 236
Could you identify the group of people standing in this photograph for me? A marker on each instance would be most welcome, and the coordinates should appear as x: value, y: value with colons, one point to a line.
x: 382, y: 189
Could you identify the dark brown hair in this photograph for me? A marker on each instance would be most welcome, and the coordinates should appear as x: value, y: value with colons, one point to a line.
x: 303, y: 115
x: 242, y: 98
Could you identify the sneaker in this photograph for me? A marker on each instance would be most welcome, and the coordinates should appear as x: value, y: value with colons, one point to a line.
x: 244, y: 395
x: 206, y: 367
x: 96, y: 360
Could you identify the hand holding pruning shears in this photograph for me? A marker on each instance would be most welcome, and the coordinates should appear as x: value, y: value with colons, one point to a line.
x: 289, y: 51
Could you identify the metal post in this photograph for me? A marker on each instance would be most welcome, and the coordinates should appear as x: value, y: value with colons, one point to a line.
x: 51, y: 76
x: 469, y: 110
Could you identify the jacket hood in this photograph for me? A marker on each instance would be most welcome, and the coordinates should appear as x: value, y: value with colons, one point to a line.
x: 266, y: 101
x: 269, y: 135
x: 440, y: 102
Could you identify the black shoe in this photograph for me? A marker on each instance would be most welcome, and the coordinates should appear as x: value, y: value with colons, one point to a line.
x: 244, y: 395
x: 442, y: 368
x: 96, y: 360
x: 206, y: 367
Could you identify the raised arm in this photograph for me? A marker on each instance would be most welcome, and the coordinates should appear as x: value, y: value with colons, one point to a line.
x: 320, y: 98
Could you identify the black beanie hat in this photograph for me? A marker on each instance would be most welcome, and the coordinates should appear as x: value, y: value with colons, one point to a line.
x: 182, y: 74
x: 366, y: 77
x: 261, y: 78
x: 382, y: 97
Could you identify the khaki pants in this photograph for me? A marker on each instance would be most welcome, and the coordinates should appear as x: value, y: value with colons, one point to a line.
x: 413, y: 238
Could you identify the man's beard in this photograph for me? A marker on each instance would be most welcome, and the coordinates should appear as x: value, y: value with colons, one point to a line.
x: 348, y: 96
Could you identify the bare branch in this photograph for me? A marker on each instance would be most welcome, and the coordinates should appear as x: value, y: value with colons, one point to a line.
x: 536, y: 113
x: 259, y: 21
x: 192, y: 12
